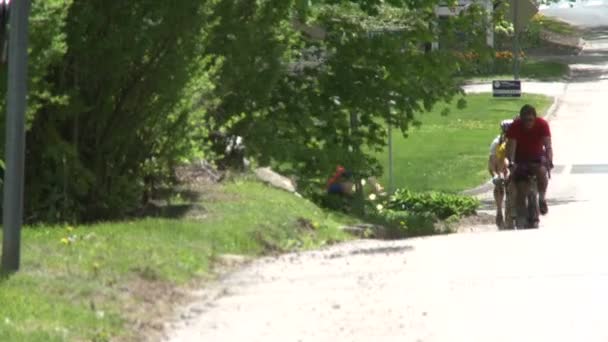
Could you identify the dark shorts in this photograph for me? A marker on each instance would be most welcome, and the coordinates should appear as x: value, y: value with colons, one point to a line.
x: 541, y: 159
x: 335, y: 188
x: 527, y: 168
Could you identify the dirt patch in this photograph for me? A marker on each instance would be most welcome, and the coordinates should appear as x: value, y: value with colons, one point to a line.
x: 475, y: 220
x: 482, y: 222
x: 305, y: 225
x: 200, y: 172
x: 147, y: 304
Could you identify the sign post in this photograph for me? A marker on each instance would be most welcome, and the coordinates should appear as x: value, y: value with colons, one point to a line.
x: 515, y: 39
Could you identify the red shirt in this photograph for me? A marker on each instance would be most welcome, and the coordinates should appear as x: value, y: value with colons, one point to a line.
x: 336, y: 177
x: 530, y: 142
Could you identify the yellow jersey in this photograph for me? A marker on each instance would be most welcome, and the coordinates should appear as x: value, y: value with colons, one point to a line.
x: 501, y: 151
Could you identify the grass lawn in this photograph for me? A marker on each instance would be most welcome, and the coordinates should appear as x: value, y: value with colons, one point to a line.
x: 449, y: 153
x: 556, y: 25
x: 90, y: 283
x: 531, y: 70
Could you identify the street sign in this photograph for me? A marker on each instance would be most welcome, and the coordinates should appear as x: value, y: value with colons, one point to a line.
x: 510, y: 88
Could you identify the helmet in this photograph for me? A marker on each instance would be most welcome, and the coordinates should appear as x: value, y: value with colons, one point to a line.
x: 505, y: 124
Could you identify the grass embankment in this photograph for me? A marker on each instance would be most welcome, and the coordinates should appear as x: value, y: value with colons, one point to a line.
x: 555, y: 25
x: 93, y: 282
x: 449, y: 153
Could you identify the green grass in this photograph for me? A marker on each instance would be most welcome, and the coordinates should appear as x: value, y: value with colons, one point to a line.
x: 449, y: 153
x: 531, y: 69
x: 555, y: 25
x: 76, y: 291
x: 544, y: 70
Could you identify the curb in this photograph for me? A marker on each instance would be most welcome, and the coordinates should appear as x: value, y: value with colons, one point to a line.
x: 488, y: 186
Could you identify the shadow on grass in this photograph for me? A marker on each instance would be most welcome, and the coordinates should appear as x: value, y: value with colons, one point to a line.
x: 171, y: 211
x: 5, y: 276
x: 173, y: 204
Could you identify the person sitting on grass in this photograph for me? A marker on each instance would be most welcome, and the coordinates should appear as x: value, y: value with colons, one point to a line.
x: 342, y: 183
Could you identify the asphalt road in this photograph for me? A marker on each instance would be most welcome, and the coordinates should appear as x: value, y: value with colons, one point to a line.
x: 586, y: 13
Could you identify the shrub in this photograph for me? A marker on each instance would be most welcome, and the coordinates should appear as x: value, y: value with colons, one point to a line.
x: 403, y: 224
x: 409, y: 214
x: 442, y: 205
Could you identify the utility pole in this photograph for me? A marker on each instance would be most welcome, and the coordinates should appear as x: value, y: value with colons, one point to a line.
x: 15, y: 134
x: 490, y: 28
x: 516, y: 48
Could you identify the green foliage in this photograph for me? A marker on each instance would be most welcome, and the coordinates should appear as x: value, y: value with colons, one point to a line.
x: 403, y: 224
x: 121, y: 92
x: 113, y: 91
x: 408, y: 214
x: 443, y: 205
x: 329, y: 102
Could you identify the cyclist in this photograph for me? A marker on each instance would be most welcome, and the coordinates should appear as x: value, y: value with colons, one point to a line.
x: 529, y: 145
x: 498, y: 168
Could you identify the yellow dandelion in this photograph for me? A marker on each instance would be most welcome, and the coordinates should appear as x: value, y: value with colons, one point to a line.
x: 65, y: 241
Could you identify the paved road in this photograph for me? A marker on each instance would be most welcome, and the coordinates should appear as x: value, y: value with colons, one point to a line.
x: 544, y: 285
x: 586, y: 13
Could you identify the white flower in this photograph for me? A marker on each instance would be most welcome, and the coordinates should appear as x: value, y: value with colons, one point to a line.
x: 372, y: 197
x: 379, y: 207
x: 363, y: 182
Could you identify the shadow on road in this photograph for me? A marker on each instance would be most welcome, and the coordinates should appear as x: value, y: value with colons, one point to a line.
x: 488, y: 204
x: 592, y: 63
x: 382, y: 250
x: 596, y: 33
x: 374, y: 250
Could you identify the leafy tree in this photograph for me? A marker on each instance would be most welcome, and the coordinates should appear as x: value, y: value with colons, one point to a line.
x: 110, y: 101
x: 330, y: 100
x: 120, y: 92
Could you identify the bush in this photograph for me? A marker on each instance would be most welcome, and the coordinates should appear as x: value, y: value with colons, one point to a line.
x: 442, y: 205
x: 495, y: 62
x: 409, y: 214
x: 403, y: 224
